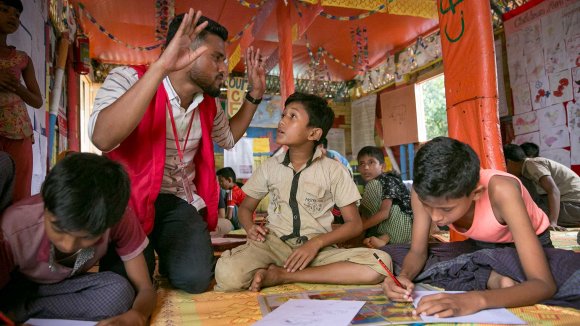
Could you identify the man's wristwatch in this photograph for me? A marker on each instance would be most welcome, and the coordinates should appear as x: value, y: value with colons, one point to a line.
x: 252, y: 100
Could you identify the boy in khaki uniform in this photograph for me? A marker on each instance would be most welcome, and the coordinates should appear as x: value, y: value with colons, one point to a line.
x: 298, y: 243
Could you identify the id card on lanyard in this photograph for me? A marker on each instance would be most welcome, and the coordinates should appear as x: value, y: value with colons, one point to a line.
x: 181, y: 166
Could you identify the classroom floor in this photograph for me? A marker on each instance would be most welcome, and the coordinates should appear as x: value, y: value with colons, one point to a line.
x: 242, y: 308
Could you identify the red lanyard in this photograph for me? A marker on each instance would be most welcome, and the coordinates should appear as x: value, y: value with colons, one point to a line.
x: 175, y: 135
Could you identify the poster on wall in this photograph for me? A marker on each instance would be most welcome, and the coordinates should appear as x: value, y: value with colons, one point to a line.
x: 559, y: 155
x: 241, y: 158
x: 336, y: 140
x: 502, y: 108
x: 268, y: 112
x: 552, y: 116
x: 574, y: 127
x: 236, y: 93
x: 363, y: 117
x: 576, y: 83
x: 525, y: 123
x: 546, y: 38
x: 557, y: 137
x: 532, y: 137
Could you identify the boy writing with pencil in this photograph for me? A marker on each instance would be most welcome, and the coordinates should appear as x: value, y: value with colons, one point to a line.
x: 489, y: 206
x: 49, y: 242
x: 298, y: 244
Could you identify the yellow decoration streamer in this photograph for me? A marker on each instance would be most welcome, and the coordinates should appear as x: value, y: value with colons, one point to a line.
x: 417, y: 8
x: 234, y: 58
x: 355, y: 4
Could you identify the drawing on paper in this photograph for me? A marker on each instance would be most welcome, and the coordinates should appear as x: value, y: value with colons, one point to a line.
x: 522, y: 98
x: 540, y: 91
x: 377, y: 309
x: 525, y: 123
x: 559, y: 155
x: 551, y: 116
x: 557, y: 137
x: 532, y: 137
x: 560, y: 86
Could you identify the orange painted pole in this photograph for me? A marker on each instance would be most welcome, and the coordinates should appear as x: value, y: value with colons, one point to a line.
x: 285, y: 46
x: 470, y: 79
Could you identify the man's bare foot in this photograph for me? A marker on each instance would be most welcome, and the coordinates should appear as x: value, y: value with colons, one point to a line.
x: 498, y: 281
x: 266, y: 277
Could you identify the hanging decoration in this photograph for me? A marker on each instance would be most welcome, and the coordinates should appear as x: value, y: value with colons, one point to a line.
x: 62, y: 17
x: 417, y: 8
x: 250, y: 5
x: 240, y: 33
x: 336, y: 60
x: 164, y: 12
x: 234, y: 58
x: 102, y: 29
x: 360, y: 40
x: 354, y: 4
x: 380, y: 8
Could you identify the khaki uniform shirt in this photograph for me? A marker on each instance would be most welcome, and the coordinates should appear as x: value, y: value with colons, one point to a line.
x: 567, y: 181
x: 301, y: 202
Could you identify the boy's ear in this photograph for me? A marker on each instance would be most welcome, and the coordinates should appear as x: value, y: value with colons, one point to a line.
x: 315, y: 134
x: 478, y: 191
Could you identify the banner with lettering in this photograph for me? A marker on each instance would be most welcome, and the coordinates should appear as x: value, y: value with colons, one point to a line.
x: 470, y: 77
x: 470, y: 80
x: 236, y: 92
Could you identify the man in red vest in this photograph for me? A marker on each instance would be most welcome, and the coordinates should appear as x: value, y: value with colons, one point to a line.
x: 160, y: 122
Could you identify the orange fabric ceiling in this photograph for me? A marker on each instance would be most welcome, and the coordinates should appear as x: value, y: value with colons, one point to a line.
x: 133, y: 22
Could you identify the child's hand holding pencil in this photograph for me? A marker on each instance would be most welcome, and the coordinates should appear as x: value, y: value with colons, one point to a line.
x: 396, y: 288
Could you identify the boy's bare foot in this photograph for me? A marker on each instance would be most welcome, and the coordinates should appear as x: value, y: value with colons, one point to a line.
x: 266, y: 277
x: 498, y: 281
x: 376, y: 242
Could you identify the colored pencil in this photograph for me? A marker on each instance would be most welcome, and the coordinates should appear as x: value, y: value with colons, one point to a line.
x: 388, y: 271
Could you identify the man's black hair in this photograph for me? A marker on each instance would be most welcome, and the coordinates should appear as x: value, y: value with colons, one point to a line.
x: 86, y: 192
x: 320, y: 115
x: 514, y: 153
x: 16, y: 4
x: 372, y: 151
x: 445, y: 167
x: 227, y: 173
x: 212, y: 27
x: 530, y: 149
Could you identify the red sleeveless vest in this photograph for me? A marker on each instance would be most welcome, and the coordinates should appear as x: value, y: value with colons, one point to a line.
x: 142, y: 154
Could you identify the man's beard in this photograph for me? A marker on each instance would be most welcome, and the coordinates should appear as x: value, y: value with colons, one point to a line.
x: 212, y: 91
x: 208, y: 87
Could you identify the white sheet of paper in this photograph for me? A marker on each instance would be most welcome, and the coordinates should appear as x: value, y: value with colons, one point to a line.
x: 488, y: 316
x: 313, y: 312
x: 58, y: 322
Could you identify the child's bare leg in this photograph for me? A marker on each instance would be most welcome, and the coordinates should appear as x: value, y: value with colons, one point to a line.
x: 335, y: 273
x: 381, y: 241
x: 498, y: 281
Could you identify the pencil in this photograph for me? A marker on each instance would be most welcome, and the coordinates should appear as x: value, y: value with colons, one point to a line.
x: 6, y: 320
x: 388, y: 271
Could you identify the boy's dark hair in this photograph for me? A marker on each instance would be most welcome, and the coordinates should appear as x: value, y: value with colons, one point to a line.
x: 530, y: 149
x: 227, y: 173
x: 373, y: 152
x: 445, y: 167
x: 16, y: 4
x: 514, y: 153
x: 320, y: 115
x: 86, y: 192
x: 212, y: 27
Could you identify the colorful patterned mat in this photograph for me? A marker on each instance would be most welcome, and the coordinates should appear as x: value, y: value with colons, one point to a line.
x: 242, y: 308
x: 566, y: 240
